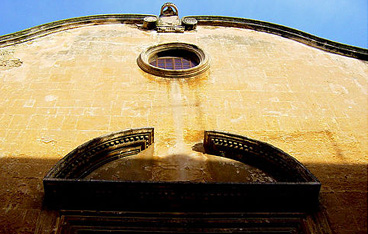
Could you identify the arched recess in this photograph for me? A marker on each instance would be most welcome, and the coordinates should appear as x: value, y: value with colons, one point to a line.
x: 296, y: 189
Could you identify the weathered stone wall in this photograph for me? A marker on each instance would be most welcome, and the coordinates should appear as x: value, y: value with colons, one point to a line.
x: 71, y: 86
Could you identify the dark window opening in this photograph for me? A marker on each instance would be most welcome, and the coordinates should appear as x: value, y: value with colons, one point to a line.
x: 174, y: 63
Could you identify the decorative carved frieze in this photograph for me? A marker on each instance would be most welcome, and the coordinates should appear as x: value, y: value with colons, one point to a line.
x: 274, y: 161
x: 99, y: 151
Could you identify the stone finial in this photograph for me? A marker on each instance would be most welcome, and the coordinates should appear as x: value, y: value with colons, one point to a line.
x: 169, y: 20
x: 169, y: 9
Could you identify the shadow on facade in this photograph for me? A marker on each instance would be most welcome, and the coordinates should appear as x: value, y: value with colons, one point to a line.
x: 343, y: 195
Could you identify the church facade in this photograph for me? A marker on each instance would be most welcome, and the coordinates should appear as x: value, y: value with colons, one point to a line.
x: 254, y: 83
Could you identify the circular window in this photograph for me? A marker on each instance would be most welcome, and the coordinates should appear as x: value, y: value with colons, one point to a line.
x: 174, y: 60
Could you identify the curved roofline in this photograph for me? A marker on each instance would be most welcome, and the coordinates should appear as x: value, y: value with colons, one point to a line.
x: 66, y: 24
x: 290, y: 33
x: 224, y: 21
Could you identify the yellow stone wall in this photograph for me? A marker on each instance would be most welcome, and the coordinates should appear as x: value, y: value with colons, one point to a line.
x: 78, y: 84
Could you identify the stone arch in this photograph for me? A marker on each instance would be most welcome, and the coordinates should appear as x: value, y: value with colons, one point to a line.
x: 101, y: 150
x: 282, y: 166
x: 296, y: 189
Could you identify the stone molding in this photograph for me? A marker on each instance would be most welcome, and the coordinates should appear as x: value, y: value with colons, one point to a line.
x: 203, y: 59
x: 293, y: 34
x: 66, y: 188
x: 191, y: 222
x: 99, y: 151
x: 290, y: 33
x: 66, y: 24
x: 277, y: 163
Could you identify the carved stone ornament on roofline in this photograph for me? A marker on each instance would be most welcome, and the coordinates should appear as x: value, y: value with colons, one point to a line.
x: 169, y: 21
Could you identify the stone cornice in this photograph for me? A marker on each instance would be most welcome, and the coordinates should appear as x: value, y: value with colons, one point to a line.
x: 293, y: 34
x: 61, y: 25
x: 290, y: 33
